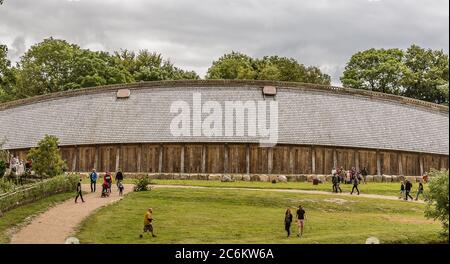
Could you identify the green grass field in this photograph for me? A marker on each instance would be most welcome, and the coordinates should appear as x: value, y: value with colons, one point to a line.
x: 247, y: 216
x: 18, y: 216
x: 381, y: 188
x: 392, y: 189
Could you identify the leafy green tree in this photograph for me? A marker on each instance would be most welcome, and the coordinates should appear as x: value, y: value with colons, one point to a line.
x: 232, y: 66
x: 376, y: 70
x: 240, y: 66
x: 437, y: 199
x: 47, y: 161
x: 7, y: 76
x: 4, y: 156
x: 425, y: 70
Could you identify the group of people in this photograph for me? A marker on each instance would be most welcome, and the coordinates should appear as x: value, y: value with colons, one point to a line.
x: 300, y: 220
x: 405, y: 190
x: 352, y: 176
x: 19, y: 167
x: 106, y: 185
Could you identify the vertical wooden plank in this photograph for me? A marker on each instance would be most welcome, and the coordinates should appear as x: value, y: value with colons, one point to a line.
x: 96, y: 158
x: 378, y: 163
x: 400, y: 166
x: 334, y: 158
x: 75, y: 159
x: 247, y: 159
x: 117, y: 158
x: 225, y: 159
x: 203, y: 158
x: 313, y: 160
x: 139, y: 158
x: 357, y: 160
x: 160, y: 159
x: 269, y: 160
x: 183, y: 147
x: 291, y: 160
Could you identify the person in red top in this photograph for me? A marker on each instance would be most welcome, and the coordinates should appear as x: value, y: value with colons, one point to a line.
x: 108, y: 180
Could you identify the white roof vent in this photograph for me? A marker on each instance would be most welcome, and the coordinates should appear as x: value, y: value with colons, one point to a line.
x: 269, y: 91
x: 123, y: 93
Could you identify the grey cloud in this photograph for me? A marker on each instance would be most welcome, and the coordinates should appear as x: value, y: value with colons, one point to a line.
x: 193, y: 33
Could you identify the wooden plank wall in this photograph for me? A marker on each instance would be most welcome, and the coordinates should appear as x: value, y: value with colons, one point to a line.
x: 238, y: 158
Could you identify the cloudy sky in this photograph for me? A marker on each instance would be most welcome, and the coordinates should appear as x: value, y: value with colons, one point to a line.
x: 193, y: 33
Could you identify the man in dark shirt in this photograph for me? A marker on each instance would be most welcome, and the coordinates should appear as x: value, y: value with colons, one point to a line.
x: 300, y: 220
x: 355, y: 184
x: 79, y: 193
x: 119, y: 177
x: 408, y: 187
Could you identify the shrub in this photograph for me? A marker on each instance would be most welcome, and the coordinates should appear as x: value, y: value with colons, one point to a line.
x: 2, y: 168
x: 6, y: 185
x: 47, y: 161
x: 437, y: 199
x: 141, y: 184
x: 32, y: 193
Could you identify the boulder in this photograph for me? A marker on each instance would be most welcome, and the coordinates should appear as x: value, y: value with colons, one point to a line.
x: 246, y: 177
x: 386, y: 178
x: 282, y: 178
x: 321, y: 178
x: 394, y: 178
x: 226, y: 178
x: 193, y: 176
x: 377, y: 178
x: 369, y: 178
x: 411, y: 178
x: 236, y: 177
x: 292, y: 178
x: 214, y: 177
x: 302, y: 178
x: 310, y: 178
x: 185, y: 176
x: 264, y: 177
x: 255, y: 177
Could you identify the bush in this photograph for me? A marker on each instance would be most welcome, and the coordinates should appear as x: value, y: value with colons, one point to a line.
x: 6, y: 185
x: 141, y: 184
x: 437, y: 199
x: 47, y: 161
x: 32, y: 193
x: 2, y: 168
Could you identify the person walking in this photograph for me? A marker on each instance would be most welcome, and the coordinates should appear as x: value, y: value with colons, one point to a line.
x: 288, y: 221
x: 419, y: 190
x: 364, y: 174
x: 108, y: 180
x: 93, y: 177
x: 300, y: 220
x: 334, y: 182
x: 355, y: 185
x: 148, y: 226
x: 402, y: 190
x: 408, y: 186
x: 119, y: 177
x: 79, y: 192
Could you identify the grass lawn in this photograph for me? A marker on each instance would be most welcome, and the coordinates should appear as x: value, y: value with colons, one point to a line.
x: 381, y: 188
x: 248, y: 216
x: 18, y: 216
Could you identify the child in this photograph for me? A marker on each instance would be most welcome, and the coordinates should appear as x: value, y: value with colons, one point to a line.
x: 402, y: 190
x: 419, y: 190
x: 120, y: 185
x: 105, y: 192
x: 148, y: 226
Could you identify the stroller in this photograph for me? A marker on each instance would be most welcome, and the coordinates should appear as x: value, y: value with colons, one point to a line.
x: 105, y: 190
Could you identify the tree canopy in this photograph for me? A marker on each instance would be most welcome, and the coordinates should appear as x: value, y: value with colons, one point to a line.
x: 236, y: 65
x: 417, y: 73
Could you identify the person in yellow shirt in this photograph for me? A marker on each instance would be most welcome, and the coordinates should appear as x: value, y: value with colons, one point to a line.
x: 148, y: 218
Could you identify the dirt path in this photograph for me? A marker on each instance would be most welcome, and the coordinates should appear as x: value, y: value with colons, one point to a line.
x: 373, y: 196
x: 60, y: 221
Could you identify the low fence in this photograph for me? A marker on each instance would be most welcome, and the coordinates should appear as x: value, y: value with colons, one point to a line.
x: 33, y: 192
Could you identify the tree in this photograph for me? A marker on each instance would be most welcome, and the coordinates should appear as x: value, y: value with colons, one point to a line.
x: 232, y: 66
x: 240, y: 66
x: 425, y: 70
x: 7, y: 76
x: 417, y: 73
x: 47, y: 161
x: 4, y: 157
x: 376, y: 70
x: 437, y: 199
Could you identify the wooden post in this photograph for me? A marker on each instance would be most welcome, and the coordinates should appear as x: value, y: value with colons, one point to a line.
x: 291, y: 160
x: 421, y: 164
x: 400, y: 165
x: 378, y: 163
x: 334, y: 158
x: 269, y: 160
x: 160, y: 164
x: 247, y: 159
x: 313, y: 160
x: 182, y: 158
x: 75, y: 158
x: 118, y: 158
x: 203, y: 158
x: 96, y: 157
x: 225, y: 159
x: 139, y: 158
x: 357, y: 160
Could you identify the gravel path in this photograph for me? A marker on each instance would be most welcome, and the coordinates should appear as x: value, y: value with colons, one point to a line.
x: 60, y: 221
